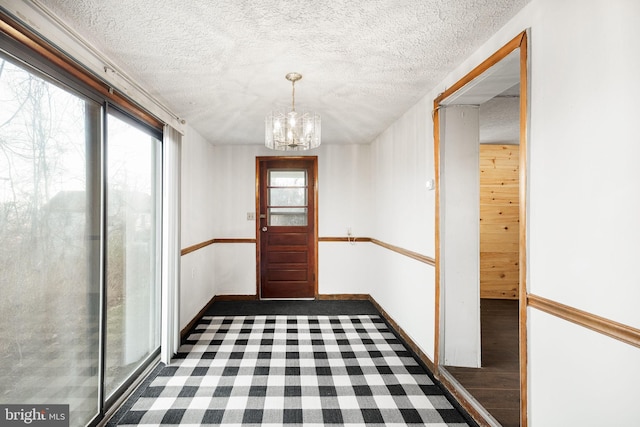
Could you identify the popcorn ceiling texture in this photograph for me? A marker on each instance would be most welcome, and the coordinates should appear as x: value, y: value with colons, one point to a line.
x: 220, y: 65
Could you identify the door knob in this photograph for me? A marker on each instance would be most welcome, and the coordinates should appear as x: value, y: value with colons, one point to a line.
x: 264, y: 228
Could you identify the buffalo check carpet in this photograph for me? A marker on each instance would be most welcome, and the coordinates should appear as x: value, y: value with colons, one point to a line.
x: 292, y: 370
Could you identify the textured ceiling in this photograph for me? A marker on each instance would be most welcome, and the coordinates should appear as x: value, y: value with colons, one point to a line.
x: 220, y: 65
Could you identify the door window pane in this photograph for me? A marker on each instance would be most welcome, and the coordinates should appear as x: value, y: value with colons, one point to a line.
x: 288, y: 216
x: 287, y: 197
x: 50, y: 244
x: 132, y: 293
x: 287, y: 178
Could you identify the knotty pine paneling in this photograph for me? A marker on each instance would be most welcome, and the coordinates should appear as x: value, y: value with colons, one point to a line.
x: 499, y: 230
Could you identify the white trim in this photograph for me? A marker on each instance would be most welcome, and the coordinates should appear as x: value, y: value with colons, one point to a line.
x: 171, y: 151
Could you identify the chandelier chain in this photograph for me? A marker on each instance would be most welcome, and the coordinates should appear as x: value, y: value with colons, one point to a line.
x: 293, y: 95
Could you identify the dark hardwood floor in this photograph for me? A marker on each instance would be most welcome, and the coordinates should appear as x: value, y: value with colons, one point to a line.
x: 497, y: 384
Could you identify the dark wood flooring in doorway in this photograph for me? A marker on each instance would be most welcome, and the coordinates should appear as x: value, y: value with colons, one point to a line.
x: 497, y: 384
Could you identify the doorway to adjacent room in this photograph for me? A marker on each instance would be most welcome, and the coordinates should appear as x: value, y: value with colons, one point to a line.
x: 481, y: 237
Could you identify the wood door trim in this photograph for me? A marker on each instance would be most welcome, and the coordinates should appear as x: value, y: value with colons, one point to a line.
x: 619, y: 331
x: 523, y: 44
x: 437, y: 245
x: 512, y: 45
x: 520, y: 41
x: 314, y: 160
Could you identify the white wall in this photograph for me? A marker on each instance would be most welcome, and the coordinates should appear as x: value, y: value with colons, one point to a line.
x: 579, y: 377
x: 197, y: 283
x: 405, y: 288
x: 584, y: 207
x: 343, y: 188
x: 198, y: 218
x: 345, y: 268
x: 401, y: 164
x: 584, y: 186
x: 233, y: 192
x: 197, y: 273
x: 404, y: 216
x: 344, y: 194
x: 343, y: 201
x: 235, y: 268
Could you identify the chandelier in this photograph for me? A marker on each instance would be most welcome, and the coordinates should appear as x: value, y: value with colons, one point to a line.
x: 290, y: 131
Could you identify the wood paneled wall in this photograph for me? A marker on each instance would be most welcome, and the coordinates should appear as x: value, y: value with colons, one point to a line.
x: 499, y: 231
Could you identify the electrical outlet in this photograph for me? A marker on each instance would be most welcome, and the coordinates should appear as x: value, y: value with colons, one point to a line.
x: 251, y: 216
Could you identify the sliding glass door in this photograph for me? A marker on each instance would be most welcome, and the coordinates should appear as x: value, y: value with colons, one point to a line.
x: 49, y: 245
x: 79, y: 243
x: 133, y: 261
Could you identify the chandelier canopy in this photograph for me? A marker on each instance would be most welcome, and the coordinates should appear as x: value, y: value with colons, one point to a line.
x: 291, y: 130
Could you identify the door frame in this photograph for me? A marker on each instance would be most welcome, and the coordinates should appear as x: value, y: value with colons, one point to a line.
x: 314, y: 181
x: 518, y: 42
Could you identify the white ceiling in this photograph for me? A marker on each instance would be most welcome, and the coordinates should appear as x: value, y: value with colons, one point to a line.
x: 220, y: 65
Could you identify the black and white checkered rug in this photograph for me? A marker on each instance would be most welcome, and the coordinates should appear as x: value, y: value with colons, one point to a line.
x: 304, y: 370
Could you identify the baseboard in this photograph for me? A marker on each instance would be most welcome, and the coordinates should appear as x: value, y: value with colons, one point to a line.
x: 185, y: 331
x: 414, y: 347
x: 190, y: 325
x: 343, y: 297
x: 236, y: 297
x: 458, y: 394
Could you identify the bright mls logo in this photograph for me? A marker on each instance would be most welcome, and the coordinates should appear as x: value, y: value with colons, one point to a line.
x: 34, y: 415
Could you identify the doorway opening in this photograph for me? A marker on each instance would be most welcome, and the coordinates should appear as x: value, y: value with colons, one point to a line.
x: 480, y: 152
x: 286, y: 227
